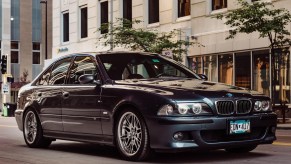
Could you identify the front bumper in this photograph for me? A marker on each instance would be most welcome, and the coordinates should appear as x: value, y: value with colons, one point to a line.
x: 209, y: 132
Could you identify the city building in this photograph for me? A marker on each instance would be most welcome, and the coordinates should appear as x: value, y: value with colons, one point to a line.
x: 22, y: 38
x: 243, y: 61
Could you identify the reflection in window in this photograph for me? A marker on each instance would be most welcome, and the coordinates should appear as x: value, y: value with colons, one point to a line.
x: 82, y: 65
x: 225, y: 66
x: 219, y: 4
x: 196, y: 65
x: 282, y: 74
x: 210, y: 67
x: 243, y: 70
x: 59, y: 72
x: 261, y: 71
x: 183, y: 8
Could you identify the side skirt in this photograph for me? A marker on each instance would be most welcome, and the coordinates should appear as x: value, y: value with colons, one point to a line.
x: 99, y: 139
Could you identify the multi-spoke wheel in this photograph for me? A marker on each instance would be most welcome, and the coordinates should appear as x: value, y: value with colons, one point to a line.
x: 132, y: 136
x: 32, y: 131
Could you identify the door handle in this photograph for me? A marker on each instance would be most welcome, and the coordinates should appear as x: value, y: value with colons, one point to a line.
x: 66, y: 94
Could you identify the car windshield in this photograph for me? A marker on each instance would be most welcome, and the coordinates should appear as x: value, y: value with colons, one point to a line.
x: 138, y: 66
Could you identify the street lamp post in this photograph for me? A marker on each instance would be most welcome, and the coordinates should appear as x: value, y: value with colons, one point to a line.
x: 45, y: 2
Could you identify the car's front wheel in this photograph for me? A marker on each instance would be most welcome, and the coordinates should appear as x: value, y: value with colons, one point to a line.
x: 32, y: 131
x: 243, y: 149
x: 131, y: 135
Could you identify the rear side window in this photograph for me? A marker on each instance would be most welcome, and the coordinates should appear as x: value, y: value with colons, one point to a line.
x: 82, y: 65
x: 56, y: 74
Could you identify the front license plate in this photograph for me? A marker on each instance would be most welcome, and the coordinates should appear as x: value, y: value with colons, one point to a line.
x: 239, y: 126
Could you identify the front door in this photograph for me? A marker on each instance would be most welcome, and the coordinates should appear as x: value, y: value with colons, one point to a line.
x: 49, y: 95
x: 80, y: 109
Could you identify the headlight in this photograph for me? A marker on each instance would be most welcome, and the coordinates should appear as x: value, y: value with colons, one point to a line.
x: 186, y: 109
x: 262, y: 106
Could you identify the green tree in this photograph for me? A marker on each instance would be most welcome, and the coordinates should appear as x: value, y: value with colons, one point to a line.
x: 125, y: 35
x: 269, y: 22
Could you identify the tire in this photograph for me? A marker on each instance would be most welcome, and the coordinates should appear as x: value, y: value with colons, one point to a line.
x: 244, y: 149
x: 32, y: 131
x: 131, y: 136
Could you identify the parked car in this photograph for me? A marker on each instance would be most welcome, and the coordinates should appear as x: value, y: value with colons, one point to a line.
x: 140, y: 102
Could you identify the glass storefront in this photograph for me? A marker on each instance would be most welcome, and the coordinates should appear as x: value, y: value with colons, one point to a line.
x: 261, y: 71
x: 210, y: 67
x: 225, y: 69
x: 243, y: 70
x: 249, y: 69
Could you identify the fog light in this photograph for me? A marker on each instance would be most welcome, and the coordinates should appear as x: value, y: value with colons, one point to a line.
x: 273, y: 129
x: 178, y: 136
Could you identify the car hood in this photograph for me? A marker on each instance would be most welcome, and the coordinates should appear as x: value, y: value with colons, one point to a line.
x: 188, y: 87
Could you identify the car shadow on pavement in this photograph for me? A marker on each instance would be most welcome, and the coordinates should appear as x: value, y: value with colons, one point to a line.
x: 185, y: 157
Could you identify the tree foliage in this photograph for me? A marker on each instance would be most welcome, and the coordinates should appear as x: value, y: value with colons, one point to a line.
x: 259, y: 17
x: 140, y: 39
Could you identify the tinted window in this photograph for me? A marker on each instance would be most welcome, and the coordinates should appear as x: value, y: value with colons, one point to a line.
x: 137, y: 66
x: 44, y: 78
x: 59, y: 72
x: 82, y: 65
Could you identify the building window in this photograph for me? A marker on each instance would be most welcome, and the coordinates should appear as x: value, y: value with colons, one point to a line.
x: 104, y: 17
x: 14, y: 52
x: 243, y: 70
x: 261, y: 71
x: 196, y: 65
x: 183, y: 8
x: 84, y: 22
x: 154, y: 15
x: 210, y: 67
x: 66, y: 27
x: 225, y: 66
x: 219, y: 4
x: 127, y: 10
x: 35, y: 53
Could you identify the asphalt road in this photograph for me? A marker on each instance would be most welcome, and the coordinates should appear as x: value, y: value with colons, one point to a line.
x: 14, y: 151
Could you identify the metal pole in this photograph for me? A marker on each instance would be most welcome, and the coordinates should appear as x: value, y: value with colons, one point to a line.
x: 111, y: 26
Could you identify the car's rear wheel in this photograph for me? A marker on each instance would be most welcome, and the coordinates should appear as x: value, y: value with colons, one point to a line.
x: 32, y: 131
x: 243, y: 149
x: 131, y: 136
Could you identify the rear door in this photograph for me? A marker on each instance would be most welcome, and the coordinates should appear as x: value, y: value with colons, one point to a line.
x: 80, y: 106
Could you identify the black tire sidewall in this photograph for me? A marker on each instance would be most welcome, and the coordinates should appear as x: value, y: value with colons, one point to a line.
x: 39, y: 139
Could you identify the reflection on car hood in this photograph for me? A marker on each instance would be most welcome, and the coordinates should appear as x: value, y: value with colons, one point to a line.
x: 186, y: 85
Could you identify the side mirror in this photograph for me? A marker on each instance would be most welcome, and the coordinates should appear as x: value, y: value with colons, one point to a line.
x: 88, y: 79
x: 203, y: 77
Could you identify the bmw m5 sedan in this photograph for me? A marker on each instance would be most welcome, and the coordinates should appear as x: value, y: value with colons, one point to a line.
x: 140, y: 103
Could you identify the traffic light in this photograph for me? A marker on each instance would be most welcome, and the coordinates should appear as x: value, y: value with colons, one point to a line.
x: 3, y: 64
